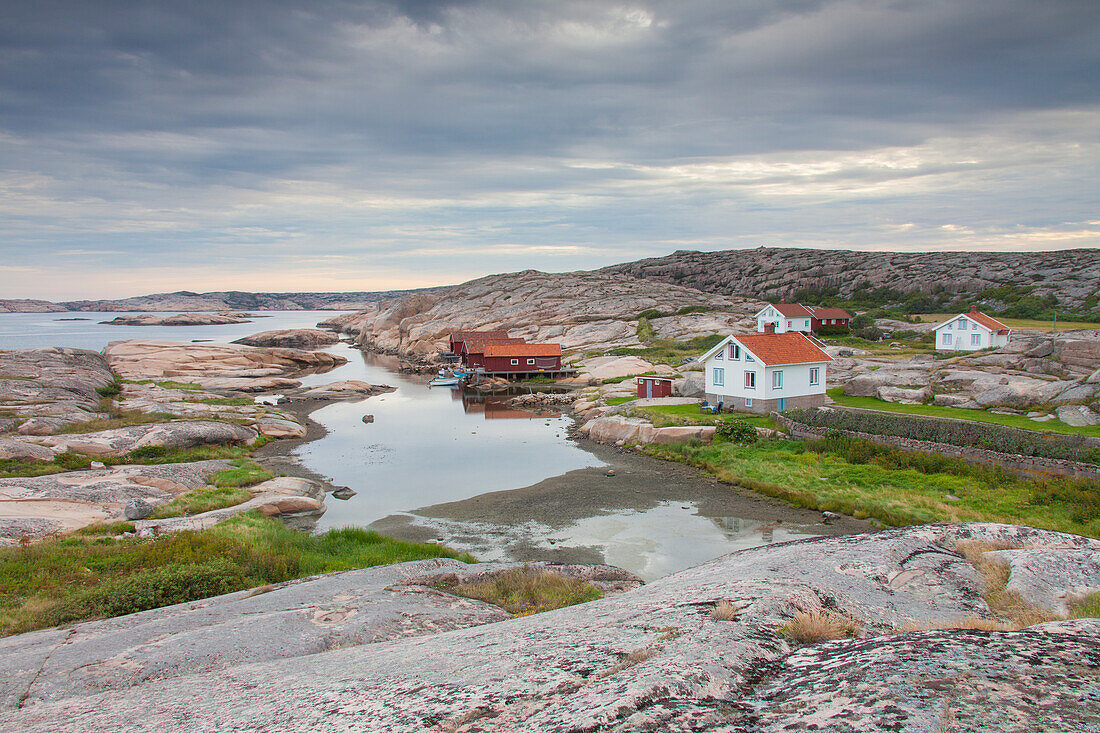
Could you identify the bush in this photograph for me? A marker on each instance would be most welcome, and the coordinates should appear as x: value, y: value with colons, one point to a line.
x: 861, y: 321
x: 833, y: 331
x: 645, y: 330
x: 736, y: 431
x: 692, y: 309
x: 650, y: 313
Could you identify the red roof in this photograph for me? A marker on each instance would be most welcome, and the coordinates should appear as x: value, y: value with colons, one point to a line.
x: 477, y: 345
x: 820, y: 313
x: 773, y: 349
x: 793, y: 310
x: 499, y: 349
x: 988, y: 321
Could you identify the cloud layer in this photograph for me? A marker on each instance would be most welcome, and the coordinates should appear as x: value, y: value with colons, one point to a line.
x: 359, y: 145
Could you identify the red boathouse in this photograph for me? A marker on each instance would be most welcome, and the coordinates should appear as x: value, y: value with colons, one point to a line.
x: 457, y: 338
x: 654, y: 386
x: 473, y: 349
x: 520, y: 358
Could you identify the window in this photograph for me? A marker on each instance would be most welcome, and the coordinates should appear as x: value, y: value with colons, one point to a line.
x: 530, y: 361
x: 750, y: 380
x: 720, y: 354
x: 806, y: 323
x: 790, y: 325
x: 718, y: 376
x: 748, y: 357
x: 950, y: 326
x: 962, y: 324
x: 515, y: 362
x: 735, y: 351
x: 748, y: 402
x: 777, y: 379
x: 815, y: 375
x: 975, y: 339
x: 947, y: 339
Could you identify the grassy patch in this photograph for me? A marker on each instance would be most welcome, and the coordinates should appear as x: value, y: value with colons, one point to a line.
x: 620, y: 380
x: 897, y: 488
x: 203, y: 499
x: 1087, y: 607
x: 663, y: 416
x: 245, y: 472
x: 528, y: 590
x: 908, y: 347
x: 811, y: 627
x: 119, y: 419
x: 224, y: 401
x: 167, y: 384
x: 1013, y: 421
x: 84, y: 577
x: 150, y: 455
x: 669, y: 351
x: 1008, y: 606
x: 615, y: 401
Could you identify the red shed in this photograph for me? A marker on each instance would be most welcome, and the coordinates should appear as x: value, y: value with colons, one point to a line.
x: 520, y: 358
x: 654, y: 386
x: 473, y: 349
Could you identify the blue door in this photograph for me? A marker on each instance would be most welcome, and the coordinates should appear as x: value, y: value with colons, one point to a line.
x: 649, y: 388
x: 781, y: 404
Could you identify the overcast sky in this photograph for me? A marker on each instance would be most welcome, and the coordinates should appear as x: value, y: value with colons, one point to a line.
x: 149, y: 146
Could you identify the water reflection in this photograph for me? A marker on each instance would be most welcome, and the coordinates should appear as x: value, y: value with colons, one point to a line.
x: 496, y: 407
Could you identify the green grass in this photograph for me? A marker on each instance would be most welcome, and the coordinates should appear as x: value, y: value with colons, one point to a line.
x: 245, y: 472
x: 1012, y: 421
x: 203, y: 499
x: 614, y: 401
x: 895, y: 487
x: 620, y: 380
x: 167, y: 384
x: 224, y: 401
x: 663, y: 416
x: 1088, y: 607
x: 527, y: 590
x: 669, y: 351
x: 87, y: 576
x: 150, y: 455
x: 123, y: 419
x: 882, y: 348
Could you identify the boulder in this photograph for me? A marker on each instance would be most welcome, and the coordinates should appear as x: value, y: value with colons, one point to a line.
x: 869, y: 384
x: 19, y: 450
x: 691, y: 384
x: 137, y: 509
x: 611, y: 367
x: 281, y: 427
x: 1078, y: 416
x: 292, y: 338
x: 178, y: 435
x: 351, y: 389
x: 904, y: 396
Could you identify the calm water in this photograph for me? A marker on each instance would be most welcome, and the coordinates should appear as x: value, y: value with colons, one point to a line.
x: 429, y: 446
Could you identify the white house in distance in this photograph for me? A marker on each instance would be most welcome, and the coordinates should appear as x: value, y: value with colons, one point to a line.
x: 970, y: 332
x: 784, y: 317
x: 762, y: 372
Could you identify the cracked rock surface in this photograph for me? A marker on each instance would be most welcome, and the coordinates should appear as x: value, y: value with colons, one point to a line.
x: 651, y: 659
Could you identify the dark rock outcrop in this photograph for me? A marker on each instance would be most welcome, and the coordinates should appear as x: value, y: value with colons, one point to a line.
x: 291, y: 338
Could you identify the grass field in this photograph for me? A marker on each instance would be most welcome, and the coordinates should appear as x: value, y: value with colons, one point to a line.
x: 1014, y: 421
x: 663, y: 416
x: 881, y: 484
x: 1020, y: 324
x: 87, y: 576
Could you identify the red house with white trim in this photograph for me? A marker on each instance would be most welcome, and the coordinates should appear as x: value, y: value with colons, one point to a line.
x: 458, y: 337
x: 519, y: 358
x: 473, y: 349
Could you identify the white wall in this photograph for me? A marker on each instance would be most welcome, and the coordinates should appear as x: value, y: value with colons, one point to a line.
x: 962, y: 332
x: 796, y: 379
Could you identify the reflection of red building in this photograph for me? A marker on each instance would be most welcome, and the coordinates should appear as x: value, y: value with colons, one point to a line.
x: 473, y: 350
x: 505, y: 358
x: 498, y: 408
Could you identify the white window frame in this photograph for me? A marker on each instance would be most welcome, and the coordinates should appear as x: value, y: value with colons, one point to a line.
x: 750, y: 380
x: 950, y: 325
x: 777, y: 379
x: 790, y: 324
x: 975, y: 339
x: 947, y: 339
x: 718, y: 376
x: 735, y: 352
x: 806, y: 323
x: 815, y: 375
x: 748, y: 357
x: 530, y: 361
x: 748, y: 402
x: 720, y: 355
x: 962, y: 324
x: 515, y: 362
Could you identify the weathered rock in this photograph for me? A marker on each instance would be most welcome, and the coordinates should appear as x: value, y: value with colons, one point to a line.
x: 22, y: 451
x: 137, y: 509
x: 217, y: 366
x: 380, y: 649
x: 183, y: 319
x: 1077, y: 415
x: 292, y: 338
x: 53, y: 387
x: 1053, y: 577
x: 181, y: 434
x: 351, y: 389
x: 611, y: 367
x: 691, y: 384
x: 622, y: 430
x: 281, y: 427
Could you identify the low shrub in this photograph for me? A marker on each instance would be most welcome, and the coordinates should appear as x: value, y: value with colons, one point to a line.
x: 735, y: 431
x: 725, y: 611
x: 811, y: 627
x: 528, y: 590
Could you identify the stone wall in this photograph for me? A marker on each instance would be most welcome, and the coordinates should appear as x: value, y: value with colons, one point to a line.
x: 1027, y: 466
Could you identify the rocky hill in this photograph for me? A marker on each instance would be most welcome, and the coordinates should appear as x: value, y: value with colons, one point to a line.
x: 576, y: 309
x: 1071, y: 275
x: 217, y: 301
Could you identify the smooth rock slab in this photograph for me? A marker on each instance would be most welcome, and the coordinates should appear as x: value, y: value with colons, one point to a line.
x: 181, y: 434
x: 1052, y: 578
x: 650, y: 659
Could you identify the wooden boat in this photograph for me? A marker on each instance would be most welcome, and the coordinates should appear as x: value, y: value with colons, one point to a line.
x: 446, y: 379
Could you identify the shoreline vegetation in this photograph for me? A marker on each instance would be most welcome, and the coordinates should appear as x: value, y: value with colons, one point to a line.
x: 98, y: 572
x: 894, y: 487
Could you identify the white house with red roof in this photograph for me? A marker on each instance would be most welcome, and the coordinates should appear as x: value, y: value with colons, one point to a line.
x: 785, y: 317
x: 970, y: 332
x: 762, y: 372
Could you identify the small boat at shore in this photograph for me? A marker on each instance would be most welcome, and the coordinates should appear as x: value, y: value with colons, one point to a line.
x: 446, y: 379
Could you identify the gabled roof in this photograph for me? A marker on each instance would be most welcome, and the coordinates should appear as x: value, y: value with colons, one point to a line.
x: 775, y: 349
x: 820, y: 313
x: 981, y: 318
x: 789, y: 310
x: 473, y: 345
x: 499, y: 349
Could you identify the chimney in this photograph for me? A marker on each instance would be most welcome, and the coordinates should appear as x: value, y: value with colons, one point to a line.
x: 973, y: 309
